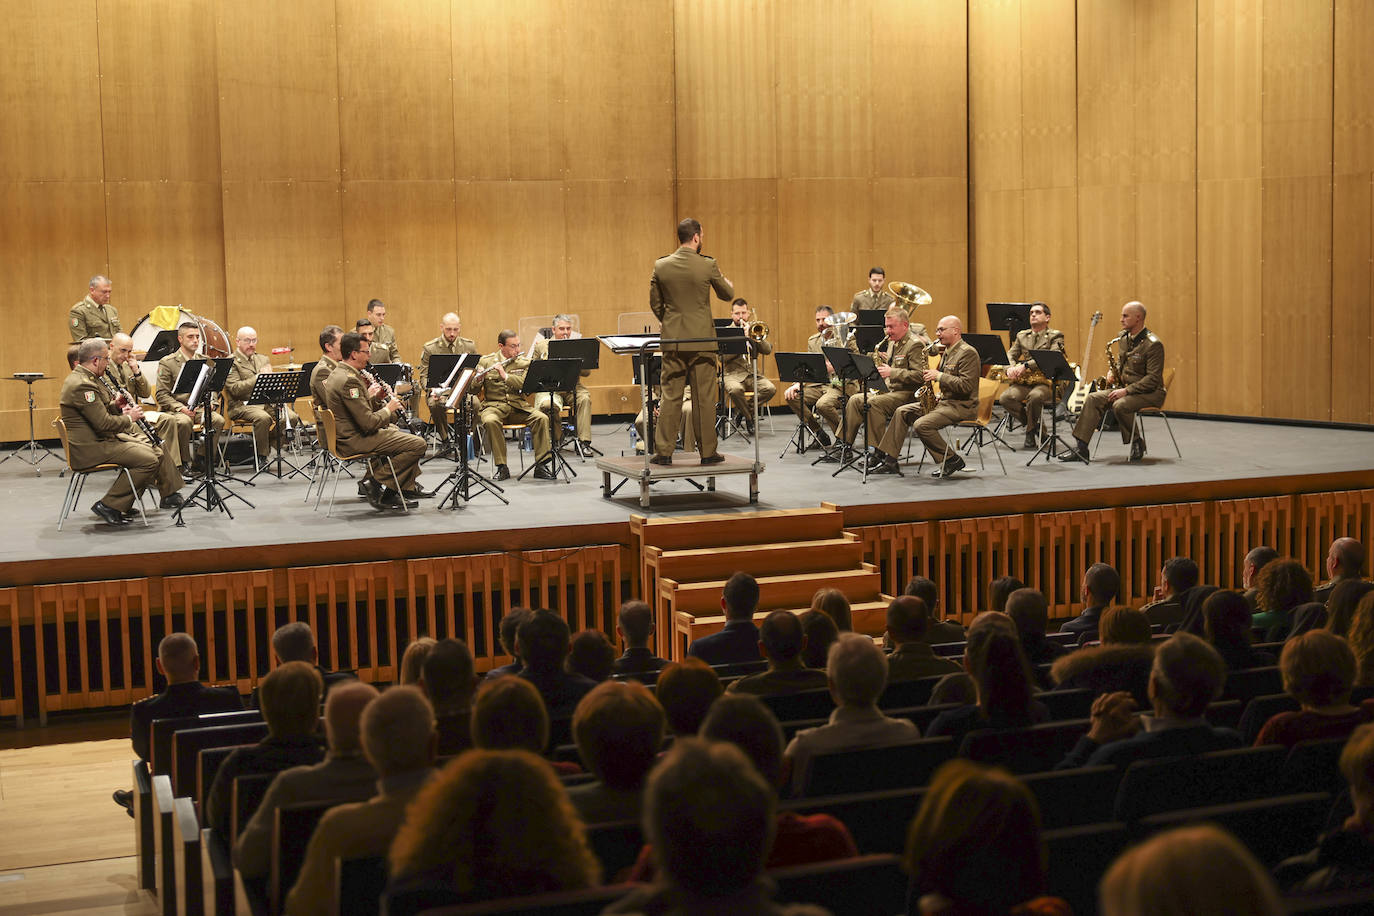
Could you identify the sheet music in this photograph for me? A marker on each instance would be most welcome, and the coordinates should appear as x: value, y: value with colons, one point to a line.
x: 625, y: 343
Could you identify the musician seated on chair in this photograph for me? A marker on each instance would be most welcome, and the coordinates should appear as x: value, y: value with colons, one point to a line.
x: 1141, y: 384
x: 958, y: 379
x: 581, y: 398
x: 248, y: 363
x: 900, y: 359
x: 330, y: 338
x: 449, y: 342
x: 1029, y: 393
x: 100, y: 432
x: 361, y: 428
x: 503, y: 402
x: 175, y: 405
x: 127, y: 375
x: 739, y: 375
x: 827, y: 400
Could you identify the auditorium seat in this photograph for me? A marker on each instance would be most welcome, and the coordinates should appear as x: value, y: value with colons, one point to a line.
x: 1271, y: 828
x: 1331, y: 903
x: 188, y: 743
x: 248, y: 793
x: 163, y: 729
x: 877, y: 821
x: 186, y: 843
x: 616, y: 845
x: 144, y: 834
x: 1225, y: 714
x: 1220, y: 777
x: 1076, y: 703
x: 164, y: 808
x: 807, y: 704
x: 902, y: 694
x: 1314, y: 766
x: 1025, y: 750
x: 1260, y: 710
x: 867, y: 884
x: 1071, y: 798
x: 358, y: 885
x: 1077, y: 859
x: 588, y: 902
x: 871, y: 769
x: 293, y: 827
x: 1248, y: 683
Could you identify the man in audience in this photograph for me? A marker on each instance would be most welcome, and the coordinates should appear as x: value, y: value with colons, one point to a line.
x: 344, y: 776
x: 941, y: 631
x: 508, y: 714
x: 781, y: 641
x: 908, y: 626
x: 1345, y: 560
x: 448, y: 680
x: 1187, y: 676
x: 739, y: 640
x: 290, y: 700
x: 618, y: 728
x: 1255, y: 560
x: 543, y: 642
x: 1100, y: 586
x: 857, y: 670
x: 1030, y: 611
x: 1178, y: 577
x: 686, y: 690
x: 635, y: 625
x: 295, y: 642
x: 399, y: 740
x: 507, y: 629
x: 591, y: 655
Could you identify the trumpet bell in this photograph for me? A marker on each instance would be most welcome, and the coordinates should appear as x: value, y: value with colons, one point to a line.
x: 909, y: 295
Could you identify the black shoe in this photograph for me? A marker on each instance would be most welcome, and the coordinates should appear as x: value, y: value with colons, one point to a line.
x: 1078, y: 453
x: 171, y: 501
x: 108, y: 515
x: 419, y: 492
x: 131, y: 513
x: 545, y: 472
x: 125, y: 799
x: 882, y: 464
x: 1032, y: 437
x: 1137, y: 449
x: 390, y: 499
x: 952, y: 463
x: 713, y: 459
x: 502, y: 472
x: 365, y: 489
x: 586, y: 444
x: 822, y: 437
x: 663, y: 460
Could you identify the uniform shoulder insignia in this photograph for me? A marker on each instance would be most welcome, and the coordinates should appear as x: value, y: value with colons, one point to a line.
x: 1152, y: 337
x: 75, y: 321
x: 352, y: 392
x: 90, y: 396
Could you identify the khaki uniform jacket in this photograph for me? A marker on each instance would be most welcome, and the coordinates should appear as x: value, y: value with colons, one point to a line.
x: 826, y: 338
x: 244, y: 373
x: 959, y: 370
x: 318, y: 377
x: 125, y: 377
x: 1027, y: 340
x: 737, y: 364
x: 355, y: 417
x: 1142, y: 363
x: 865, y: 299
x: 907, y: 357
x: 92, y: 420
x: 91, y: 320
x: 439, y: 345
x: 680, y: 296
x: 168, y: 369
x: 496, y: 390
x: 541, y: 351
x: 384, y: 346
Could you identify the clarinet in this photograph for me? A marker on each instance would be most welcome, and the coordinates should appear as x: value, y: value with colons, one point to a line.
x: 386, y: 389
x: 119, y: 394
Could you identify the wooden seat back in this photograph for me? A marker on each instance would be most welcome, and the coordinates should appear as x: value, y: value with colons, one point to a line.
x: 188, y: 743
x: 164, y: 729
x: 1071, y: 798
x: 877, y: 821
x: 1025, y: 750
x: 871, y: 769
x: 294, y: 826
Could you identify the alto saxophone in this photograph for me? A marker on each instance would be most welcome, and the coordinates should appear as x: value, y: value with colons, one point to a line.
x: 925, y: 395
x: 1113, y: 368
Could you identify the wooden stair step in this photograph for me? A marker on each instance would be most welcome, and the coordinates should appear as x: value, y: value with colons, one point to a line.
x: 787, y: 591
x: 732, y: 530
x: 787, y: 557
x: 873, y: 614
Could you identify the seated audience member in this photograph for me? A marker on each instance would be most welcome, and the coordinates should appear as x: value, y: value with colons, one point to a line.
x: 1101, y: 583
x: 490, y: 825
x: 799, y: 838
x: 941, y: 631
x: 1176, y: 579
x: 399, y: 741
x: 1000, y: 589
x: 1318, y: 671
x: 908, y: 623
x: 1362, y: 641
x: 1344, y: 858
x: 1307, y: 617
x: 290, y: 701
x: 857, y: 672
x: 1188, y: 871
x: 448, y: 678
x: 295, y: 642
x: 1005, y: 687
x: 413, y: 658
x: 781, y: 641
x: 1282, y: 586
x: 686, y: 690
x: 543, y: 643
x: 738, y: 641
x: 1344, y: 562
x: 1030, y: 611
x: 833, y: 603
x: 975, y: 847
x: 1192, y: 610
x: 506, y: 632
x: 820, y: 631
x: 1255, y: 560
x: 1340, y: 607
x: 1226, y: 625
x: 710, y: 818
x: 508, y: 714
x: 954, y: 688
x: 619, y: 729
x: 344, y: 776
x: 635, y: 625
x: 1187, y: 676
x: 1121, y: 662
x: 591, y: 655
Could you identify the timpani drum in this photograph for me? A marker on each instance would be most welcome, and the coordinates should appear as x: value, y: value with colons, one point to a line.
x: 214, y: 342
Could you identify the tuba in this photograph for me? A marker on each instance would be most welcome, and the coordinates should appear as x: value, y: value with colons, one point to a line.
x: 909, y: 296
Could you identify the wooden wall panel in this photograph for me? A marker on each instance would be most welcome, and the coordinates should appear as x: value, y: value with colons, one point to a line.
x: 741, y: 217
x: 159, y: 102
x: 395, y: 89
x: 1228, y: 296
x: 919, y: 93
x: 994, y: 93
x: 1164, y: 145
x: 279, y: 89
x: 826, y: 128
x: 1296, y: 311
x: 1297, y: 110
x: 1229, y: 96
x: 923, y: 224
x: 1107, y: 84
x: 999, y: 251
x: 1167, y: 279
x: 1049, y: 82
x: 1107, y: 249
x: 825, y: 240
x: 1051, y: 261
x: 1353, y: 86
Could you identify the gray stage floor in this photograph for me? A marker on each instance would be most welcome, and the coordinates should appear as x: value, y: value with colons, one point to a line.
x: 1212, y: 451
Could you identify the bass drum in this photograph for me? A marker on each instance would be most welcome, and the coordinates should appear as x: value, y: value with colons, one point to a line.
x: 214, y: 343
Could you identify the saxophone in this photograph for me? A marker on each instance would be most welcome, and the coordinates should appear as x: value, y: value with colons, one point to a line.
x: 1113, y: 368
x: 925, y: 395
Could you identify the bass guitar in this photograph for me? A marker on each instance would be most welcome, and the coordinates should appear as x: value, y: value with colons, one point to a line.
x: 1074, y: 402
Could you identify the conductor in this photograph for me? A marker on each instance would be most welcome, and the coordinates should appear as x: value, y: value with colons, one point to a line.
x: 680, y: 297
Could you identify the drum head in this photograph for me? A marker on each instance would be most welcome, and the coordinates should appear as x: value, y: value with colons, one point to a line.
x: 214, y: 342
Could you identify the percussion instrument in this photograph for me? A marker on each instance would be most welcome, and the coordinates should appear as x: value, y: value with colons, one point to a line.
x: 214, y: 343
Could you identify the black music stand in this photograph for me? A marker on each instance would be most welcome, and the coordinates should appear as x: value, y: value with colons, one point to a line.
x: 445, y: 366
x: 860, y: 368
x: 463, y: 477
x: 587, y: 351
x: 274, y: 390
x: 871, y: 318
x: 802, y: 369
x: 545, y: 376
x: 1058, y: 371
x: 199, y: 379
x: 867, y: 337
x: 34, y: 446
x: 732, y: 343
x: 163, y: 344
x: 1012, y: 317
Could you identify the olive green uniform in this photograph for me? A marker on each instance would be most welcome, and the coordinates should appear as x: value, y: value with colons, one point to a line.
x: 438, y: 413
x: 907, y: 357
x: 1142, y: 375
x: 503, y: 403
x: 688, y: 443
x: 384, y: 346
x: 1025, y: 402
x: 237, y: 387
x: 318, y: 377
x: 867, y: 299
x: 739, y: 380
x: 165, y: 425
x: 168, y: 369
x: 89, y: 319
x: 828, y: 399
x: 959, y: 369
x: 581, y: 399
x: 361, y: 427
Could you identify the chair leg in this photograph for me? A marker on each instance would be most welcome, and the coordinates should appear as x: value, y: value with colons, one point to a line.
x: 1101, y: 428
x: 335, y: 489
x: 138, y: 498
x: 1170, y: 428
x: 69, y: 500
x: 395, y: 479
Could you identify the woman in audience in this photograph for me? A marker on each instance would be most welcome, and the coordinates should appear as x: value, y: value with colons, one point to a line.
x: 1121, y: 662
x: 832, y: 603
x: 414, y: 659
x: 1003, y: 679
x: 1318, y: 669
x: 1362, y: 640
x: 1000, y: 589
x: 1226, y: 624
x: 1344, y: 858
x: 820, y: 631
x: 1189, y: 871
x: 591, y: 655
x: 490, y: 825
x: 508, y: 713
x: 975, y: 846
x: 618, y: 728
x: 686, y: 690
x: 1282, y: 586
x: 1340, y: 607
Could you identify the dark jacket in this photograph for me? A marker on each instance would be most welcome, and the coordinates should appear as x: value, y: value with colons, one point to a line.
x: 561, y: 690
x: 737, y: 642
x: 1342, y: 861
x: 189, y: 699
x: 1182, y: 741
x: 1085, y: 622
x: 271, y: 755
x: 1105, y: 669
x: 638, y: 661
x: 911, y: 661
x: 777, y: 681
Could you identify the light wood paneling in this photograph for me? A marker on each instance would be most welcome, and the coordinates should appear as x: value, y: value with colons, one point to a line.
x: 1049, y: 95
x: 825, y: 240
x: 1167, y: 279
x: 1107, y: 249
x: 1229, y: 96
x: 159, y: 106
x: 279, y: 89
x: 995, y: 96
x: 825, y: 77
x: 741, y: 217
x: 919, y: 92
x: 923, y: 224
x: 1165, y: 96
x: 1051, y: 261
x: 1353, y: 79
x: 1228, y: 293
x: 998, y: 250
x: 1352, y: 291
x: 1297, y: 73
x: 1106, y: 93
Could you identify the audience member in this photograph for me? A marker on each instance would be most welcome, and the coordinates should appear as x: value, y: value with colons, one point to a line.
x: 413, y: 658
x: 1307, y: 617
x: 399, y: 741
x: 344, y: 776
x: 975, y: 846
x: 710, y: 818
x: 508, y: 714
x: 1030, y: 611
x: 781, y: 642
x: 1192, y: 610
x: 506, y: 632
x: 448, y: 678
x: 1343, y: 858
x: 1101, y: 583
x: 821, y: 632
x: 686, y: 690
x: 295, y: 642
x: 1178, y: 576
x: 1226, y: 619
x: 1255, y: 560
x: 738, y: 641
x: 994, y: 660
x: 857, y: 673
x: 1282, y: 585
x: 635, y: 625
x: 1362, y: 641
x: 833, y: 603
x: 1344, y: 562
x: 1000, y: 589
x: 954, y: 688
x: 543, y: 642
x: 290, y: 701
x: 1318, y: 671
x: 1121, y: 662
x: 1340, y: 607
x: 490, y: 825
x: 908, y: 623
x: 591, y: 655
x: 618, y: 728
x: 1187, y: 676
x: 941, y: 631
x: 1187, y: 871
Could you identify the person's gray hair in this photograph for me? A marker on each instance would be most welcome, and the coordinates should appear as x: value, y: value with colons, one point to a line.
x: 294, y: 642
x: 397, y: 731
x: 90, y: 349
x: 99, y: 279
x: 177, y: 651
x: 343, y: 710
x: 857, y: 669
x: 562, y: 318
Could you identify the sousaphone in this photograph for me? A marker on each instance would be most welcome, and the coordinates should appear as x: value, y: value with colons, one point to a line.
x: 909, y: 296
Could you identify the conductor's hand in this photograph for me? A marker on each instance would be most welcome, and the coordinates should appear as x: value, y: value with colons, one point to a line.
x: 791, y: 393
x: 931, y: 375
x: 1113, y: 717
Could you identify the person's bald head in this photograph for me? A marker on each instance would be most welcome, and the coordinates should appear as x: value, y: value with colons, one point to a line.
x: 1345, y: 558
x: 950, y: 330
x: 247, y: 340
x: 121, y: 348
x: 1132, y: 317
x: 343, y: 713
x: 450, y: 325
x: 178, y: 658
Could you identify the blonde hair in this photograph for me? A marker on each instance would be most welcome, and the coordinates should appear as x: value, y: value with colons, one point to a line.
x: 832, y: 603
x: 1200, y: 869
x: 1124, y: 625
x: 1357, y: 764
x: 414, y: 658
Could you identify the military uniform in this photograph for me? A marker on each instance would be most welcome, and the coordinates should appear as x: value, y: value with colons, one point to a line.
x: 90, y: 319
x: 165, y: 425
x: 318, y: 377
x: 739, y: 380
x: 867, y: 299
x: 438, y: 413
x: 168, y: 370
x: 1025, y: 402
x: 581, y: 397
x: 502, y: 403
x: 680, y: 298
x: 959, y: 370
x: 384, y: 346
x: 826, y: 400
x: 689, y: 443
x: 99, y: 432
x: 907, y: 357
x: 237, y: 387
x: 360, y: 427
x: 1142, y: 375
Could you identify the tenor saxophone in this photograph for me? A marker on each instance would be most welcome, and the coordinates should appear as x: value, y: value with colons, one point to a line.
x: 925, y: 395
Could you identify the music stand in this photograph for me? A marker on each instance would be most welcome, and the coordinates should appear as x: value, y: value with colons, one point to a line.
x: 991, y: 352
x: 587, y: 351
x: 867, y: 337
x: 803, y: 369
x: 732, y: 343
x: 34, y: 447
x: 1012, y: 317
x: 463, y: 477
x: 860, y: 368
x: 199, y: 379
x: 445, y: 366
x: 275, y: 390
x: 545, y: 376
x: 871, y: 318
x: 1058, y: 371
x: 163, y: 344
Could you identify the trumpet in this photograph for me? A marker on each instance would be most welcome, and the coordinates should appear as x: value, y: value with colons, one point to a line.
x: 124, y: 400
